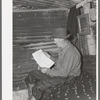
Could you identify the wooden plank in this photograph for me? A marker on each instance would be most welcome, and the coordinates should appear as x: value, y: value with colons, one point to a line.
x: 19, y: 79
x: 29, y: 41
x: 83, y: 46
x: 83, y: 49
x: 39, y: 44
x: 51, y: 9
x: 79, y: 44
x: 22, y: 33
x: 34, y: 37
x: 86, y: 46
x: 19, y: 75
x: 44, y: 47
x: 23, y: 70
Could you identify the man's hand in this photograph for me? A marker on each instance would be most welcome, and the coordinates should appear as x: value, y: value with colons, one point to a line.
x: 44, y: 70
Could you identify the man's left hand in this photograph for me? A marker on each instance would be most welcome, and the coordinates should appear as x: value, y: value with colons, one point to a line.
x: 44, y: 70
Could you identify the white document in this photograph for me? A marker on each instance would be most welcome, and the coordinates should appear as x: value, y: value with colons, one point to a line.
x: 42, y: 59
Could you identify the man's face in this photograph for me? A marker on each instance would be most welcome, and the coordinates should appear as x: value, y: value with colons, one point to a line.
x: 58, y: 41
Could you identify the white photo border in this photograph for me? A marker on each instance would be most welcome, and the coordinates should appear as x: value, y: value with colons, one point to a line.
x: 7, y: 50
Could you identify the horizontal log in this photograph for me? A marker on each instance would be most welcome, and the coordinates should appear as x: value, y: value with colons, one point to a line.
x: 39, y: 44
x: 18, y: 79
x: 40, y: 10
x: 39, y: 25
x: 19, y: 75
x: 30, y: 41
x: 25, y: 34
x: 39, y: 16
x: 44, y: 47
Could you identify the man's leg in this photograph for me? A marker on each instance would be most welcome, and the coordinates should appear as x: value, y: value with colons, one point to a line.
x: 33, y: 78
x: 39, y: 82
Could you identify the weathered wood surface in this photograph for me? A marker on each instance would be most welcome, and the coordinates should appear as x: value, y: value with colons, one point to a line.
x: 82, y: 45
x: 36, y: 23
x: 42, y: 4
x: 36, y: 26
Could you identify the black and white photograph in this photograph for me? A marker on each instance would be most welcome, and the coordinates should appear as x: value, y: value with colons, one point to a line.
x: 54, y: 49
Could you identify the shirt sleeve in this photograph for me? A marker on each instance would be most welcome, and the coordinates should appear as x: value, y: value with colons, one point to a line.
x: 70, y: 61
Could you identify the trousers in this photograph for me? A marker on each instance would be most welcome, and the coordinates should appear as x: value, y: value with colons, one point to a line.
x: 37, y: 82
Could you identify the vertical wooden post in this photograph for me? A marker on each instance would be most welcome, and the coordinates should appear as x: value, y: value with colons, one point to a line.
x: 90, y: 38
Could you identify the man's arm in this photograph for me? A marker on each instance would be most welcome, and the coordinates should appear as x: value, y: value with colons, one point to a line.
x: 70, y: 62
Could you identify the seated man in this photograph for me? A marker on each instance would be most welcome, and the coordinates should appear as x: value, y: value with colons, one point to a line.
x: 66, y: 68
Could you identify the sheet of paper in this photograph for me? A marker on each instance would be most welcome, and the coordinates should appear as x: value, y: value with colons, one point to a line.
x: 42, y: 60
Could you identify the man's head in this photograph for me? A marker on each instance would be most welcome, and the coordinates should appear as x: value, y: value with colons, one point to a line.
x: 60, y: 35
